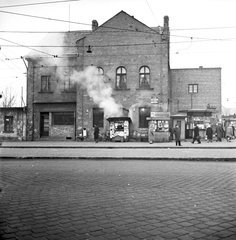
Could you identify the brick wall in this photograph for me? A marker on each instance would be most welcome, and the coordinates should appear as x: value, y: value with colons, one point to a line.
x: 209, y: 88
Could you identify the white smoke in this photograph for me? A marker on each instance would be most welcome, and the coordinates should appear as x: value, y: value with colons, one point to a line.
x: 98, y: 89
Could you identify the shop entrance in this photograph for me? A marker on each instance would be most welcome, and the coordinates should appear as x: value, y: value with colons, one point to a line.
x: 44, y: 124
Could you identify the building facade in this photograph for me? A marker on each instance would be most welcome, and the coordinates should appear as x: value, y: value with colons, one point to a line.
x: 12, y: 123
x: 116, y: 76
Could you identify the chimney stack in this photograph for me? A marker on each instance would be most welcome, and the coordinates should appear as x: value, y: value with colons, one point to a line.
x: 94, y: 25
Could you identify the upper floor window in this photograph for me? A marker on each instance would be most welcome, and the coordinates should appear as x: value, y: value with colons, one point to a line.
x: 98, y: 116
x: 8, y: 124
x: 69, y: 85
x: 144, y: 77
x: 100, y: 71
x: 45, y: 83
x: 121, y: 78
x: 193, y: 88
x: 144, y: 112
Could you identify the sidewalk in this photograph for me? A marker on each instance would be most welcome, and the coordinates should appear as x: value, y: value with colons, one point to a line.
x: 216, y: 151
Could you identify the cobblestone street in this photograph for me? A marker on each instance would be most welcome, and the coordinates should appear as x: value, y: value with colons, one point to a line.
x: 71, y: 199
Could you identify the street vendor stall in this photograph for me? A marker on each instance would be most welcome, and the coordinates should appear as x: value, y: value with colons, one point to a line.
x: 119, y: 128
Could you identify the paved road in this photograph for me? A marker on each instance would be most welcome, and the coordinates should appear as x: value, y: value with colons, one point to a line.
x: 71, y: 199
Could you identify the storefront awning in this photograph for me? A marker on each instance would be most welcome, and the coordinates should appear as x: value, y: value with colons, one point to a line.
x: 113, y: 119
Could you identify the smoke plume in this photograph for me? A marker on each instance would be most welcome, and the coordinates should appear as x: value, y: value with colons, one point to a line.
x: 99, y: 89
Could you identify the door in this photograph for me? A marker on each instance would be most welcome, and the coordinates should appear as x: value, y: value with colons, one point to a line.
x: 44, y: 124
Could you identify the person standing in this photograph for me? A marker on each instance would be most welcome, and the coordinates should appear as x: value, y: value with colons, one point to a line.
x: 219, y: 132
x: 209, y: 133
x: 96, y: 133
x: 177, y: 133
x: 151, y: 133
x: 196, y: 134
x: 229, y: 133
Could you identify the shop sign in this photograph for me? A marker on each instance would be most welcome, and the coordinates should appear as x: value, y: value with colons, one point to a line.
x: 209, y: 106
x: 160, y: 115
x: 154, y: 99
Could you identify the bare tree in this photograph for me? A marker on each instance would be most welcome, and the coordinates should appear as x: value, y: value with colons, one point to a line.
x: 8, y: 98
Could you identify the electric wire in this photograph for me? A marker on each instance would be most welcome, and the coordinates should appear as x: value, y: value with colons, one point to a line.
x: 39, y: 3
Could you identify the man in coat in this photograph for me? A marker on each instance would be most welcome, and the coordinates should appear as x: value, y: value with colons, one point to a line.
x: 219, y: 132
x: 209, y: 133
x: 177, y: 133
x: 151, y: 134
x: 96, y: 133
x: 196, y: 134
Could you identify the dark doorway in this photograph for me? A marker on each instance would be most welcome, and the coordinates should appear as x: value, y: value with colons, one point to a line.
x: 44, y: 124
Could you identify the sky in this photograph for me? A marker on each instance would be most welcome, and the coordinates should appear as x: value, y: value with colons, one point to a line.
x: 202, y: 33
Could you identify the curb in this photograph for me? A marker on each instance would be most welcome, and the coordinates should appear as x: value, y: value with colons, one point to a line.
x: 120, y: 159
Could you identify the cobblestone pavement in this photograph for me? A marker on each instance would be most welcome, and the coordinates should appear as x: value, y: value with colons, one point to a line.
x: 72, y: 199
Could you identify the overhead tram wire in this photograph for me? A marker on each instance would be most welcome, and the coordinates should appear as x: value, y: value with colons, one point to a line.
x: 29, y: 47
x: 42, y: 3
x: 152, y: 31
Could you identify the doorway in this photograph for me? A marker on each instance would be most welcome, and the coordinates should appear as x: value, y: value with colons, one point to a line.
x: 44, y: 124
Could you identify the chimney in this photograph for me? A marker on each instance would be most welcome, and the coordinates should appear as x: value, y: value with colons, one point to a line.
x: 94, y: 25
x: 166, y: 22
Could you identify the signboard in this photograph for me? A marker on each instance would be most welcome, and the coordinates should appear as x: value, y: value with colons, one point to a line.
x: 160, y: 115
x: 154, y: 99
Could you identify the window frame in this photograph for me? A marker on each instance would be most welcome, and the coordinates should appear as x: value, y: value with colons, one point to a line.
x: 144, y: 73
x: 143, y: 122
x: 8, y: 124
x: 69, y: 85
x: 48, y: 84
x: 121, y: 76
x: 67, y: 118
x: 192, y: 88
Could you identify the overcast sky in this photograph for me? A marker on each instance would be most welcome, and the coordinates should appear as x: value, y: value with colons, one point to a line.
x: 203, y: 32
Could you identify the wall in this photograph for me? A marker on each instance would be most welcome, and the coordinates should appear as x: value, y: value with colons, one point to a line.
x: 19, y: 124
x: 209, y: 89
x: 141, y: 47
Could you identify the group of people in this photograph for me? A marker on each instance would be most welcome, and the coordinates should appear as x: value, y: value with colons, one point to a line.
x: 219, y: 133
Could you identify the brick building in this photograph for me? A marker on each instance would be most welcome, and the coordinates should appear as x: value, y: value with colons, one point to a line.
x: 118, y: 77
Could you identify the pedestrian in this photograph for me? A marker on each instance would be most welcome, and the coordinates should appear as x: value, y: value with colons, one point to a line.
x: 209, y: 133
x: 233, y: 127
x: 177, y: 133
x: 171, y: 133
x: 196, y: 135
x: 219, y: 132
x: 96, y: 133
x: 151, y: 134
x: 229, y: 133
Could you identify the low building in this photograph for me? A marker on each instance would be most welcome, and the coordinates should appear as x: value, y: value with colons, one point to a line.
x: 13, y: 124
x: 120, y: 66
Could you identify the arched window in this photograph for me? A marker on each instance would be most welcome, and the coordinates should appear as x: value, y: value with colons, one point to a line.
x: 144, y: 77
x: 100, y: 71
x: 121, y: 78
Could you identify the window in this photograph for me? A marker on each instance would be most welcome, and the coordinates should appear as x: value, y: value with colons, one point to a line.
x: 69, y: 85
x: 100, y: 71
x: 8, y: 124
x: 193, y: 88
x: 144, y: 77
x: 63, y: 118
x: 45, y: 84
x: 144, y: 112
x: 98, y: 116
x: 121, y: 78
